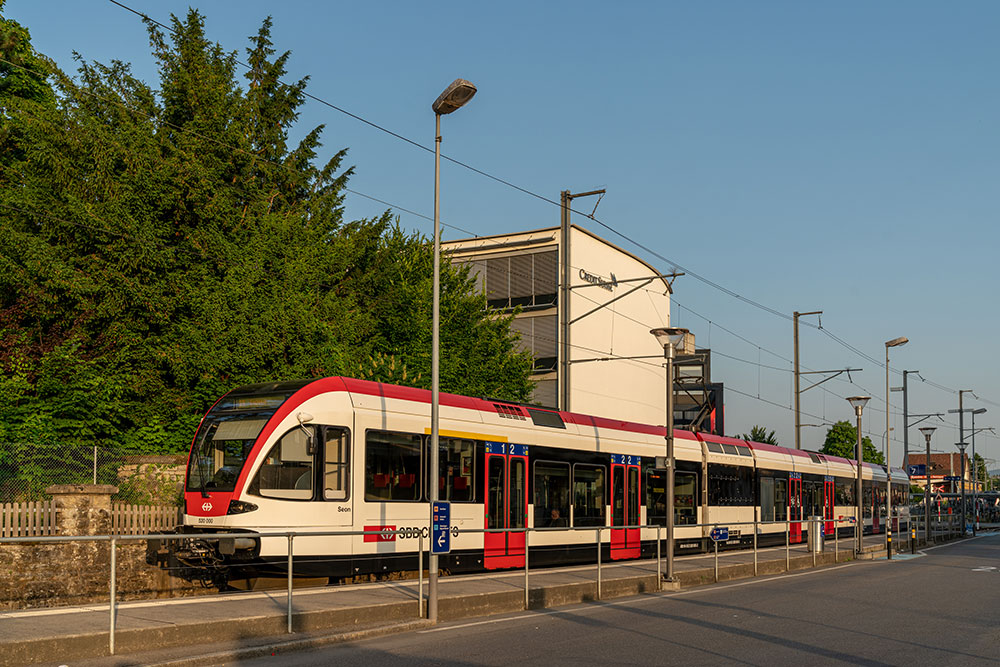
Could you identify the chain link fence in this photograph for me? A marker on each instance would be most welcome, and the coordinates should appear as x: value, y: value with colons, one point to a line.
x: 142, y: 479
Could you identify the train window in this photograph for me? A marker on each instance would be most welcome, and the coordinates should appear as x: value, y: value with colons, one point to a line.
x: 589, y: 502
x: 767, y: 499
x: 730, y: 449
x: 744, y: 451
x: 656, y: 497
x: 780, y: 499
x: 633, y: 517
x: 551, y: 494
x: 518, y: 513
x: 685, y: 499
x: 287, y: 470
x: 730, y: 485
x: 713, y: 447
x: 336, y: 480
x: 496, y: 481
x: 617, y: 496
x: 457, y: 481
x: 392, y: 466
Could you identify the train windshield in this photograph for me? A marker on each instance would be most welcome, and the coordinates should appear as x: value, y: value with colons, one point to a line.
x: 226, y: 437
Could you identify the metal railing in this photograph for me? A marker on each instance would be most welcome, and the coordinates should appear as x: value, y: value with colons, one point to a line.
x: 290, y: 536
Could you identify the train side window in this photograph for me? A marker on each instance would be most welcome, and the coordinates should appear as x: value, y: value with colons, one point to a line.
x: 287, y: 470
x: 767, y: 499
x: 457, y: 479
x: 656, y: 497
x: 551, y: 494
x: 589, y: 502
x: 685, y: 499
x: 780, y: 499
x: 336, y: 459
x: 392, y: 466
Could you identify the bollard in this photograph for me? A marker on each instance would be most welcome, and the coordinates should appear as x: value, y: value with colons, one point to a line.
x: 913, y: 539
x: 716, y: 560
x: 526, y: 533
x: 598, y: 563
x: 420, y: 575
x: 290, y: 535
x: 113, y: 591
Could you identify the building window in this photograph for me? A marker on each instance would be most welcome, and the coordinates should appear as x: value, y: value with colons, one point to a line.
x: 529, y: 280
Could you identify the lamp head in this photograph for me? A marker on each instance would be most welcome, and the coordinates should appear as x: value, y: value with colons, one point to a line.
x: 927, y: 431
x: 669, y: 336
x: 895, y: 342
x: 858, y: 402
x: 454, y: 97
x: 979, y: 411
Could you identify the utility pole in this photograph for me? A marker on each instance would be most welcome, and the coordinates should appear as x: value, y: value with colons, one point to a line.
x: 566, y: 200
x: 798, y: 418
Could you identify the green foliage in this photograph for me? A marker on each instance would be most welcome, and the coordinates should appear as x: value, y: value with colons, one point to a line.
x: 159, y: 247
x: 842, y: 440
x: 760, y: 434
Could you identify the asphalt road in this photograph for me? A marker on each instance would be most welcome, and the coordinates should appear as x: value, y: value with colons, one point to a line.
x: 942, y: 608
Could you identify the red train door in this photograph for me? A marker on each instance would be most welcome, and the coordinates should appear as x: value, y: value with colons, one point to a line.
x: 625, y: 488
x: 506, y: 505
x: 829, y: 500
x: 795, y: 507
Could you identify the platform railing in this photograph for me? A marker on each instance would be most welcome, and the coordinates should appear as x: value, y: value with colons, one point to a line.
x: 600, y: 541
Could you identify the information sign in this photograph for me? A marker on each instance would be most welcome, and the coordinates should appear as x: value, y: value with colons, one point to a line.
x: 441, y: 533
x: 719, y: 534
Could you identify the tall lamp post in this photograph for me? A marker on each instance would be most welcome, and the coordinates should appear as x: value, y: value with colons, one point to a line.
x: 453, y: 98
x: 961, y: 449
x: 670, y: 338
x: 927, y: 431
x: 895, y: 342
x: 858, y: 403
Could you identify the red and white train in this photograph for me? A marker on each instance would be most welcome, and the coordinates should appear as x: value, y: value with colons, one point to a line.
x: 338, y: 454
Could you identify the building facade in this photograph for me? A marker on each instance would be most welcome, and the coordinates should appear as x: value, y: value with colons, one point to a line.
x: 586, y: 309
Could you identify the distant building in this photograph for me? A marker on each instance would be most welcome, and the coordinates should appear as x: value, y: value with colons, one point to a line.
x: 586, y: 310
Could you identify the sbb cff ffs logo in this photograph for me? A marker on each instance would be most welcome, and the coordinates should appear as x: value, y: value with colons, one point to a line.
x: 207, y: 507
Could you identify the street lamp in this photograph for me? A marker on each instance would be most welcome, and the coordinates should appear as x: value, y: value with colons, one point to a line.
x: 961, y: 448
x: 927, y: 431
x: 669, y: 338
x: 454, y: 97
x: 858, y: 403
x: 895, y: 342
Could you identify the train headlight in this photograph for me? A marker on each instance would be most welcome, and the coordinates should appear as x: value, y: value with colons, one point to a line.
x: 240, y: 507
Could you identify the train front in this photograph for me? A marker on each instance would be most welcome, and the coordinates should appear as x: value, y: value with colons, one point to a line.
x: 218, y: 462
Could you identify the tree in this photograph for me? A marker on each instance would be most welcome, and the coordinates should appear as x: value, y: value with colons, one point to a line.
x: 159, y: 247
x: 842, y: 440
x: 761, y: 434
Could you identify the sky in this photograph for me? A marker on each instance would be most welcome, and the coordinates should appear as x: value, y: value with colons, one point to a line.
x: 840, y: 157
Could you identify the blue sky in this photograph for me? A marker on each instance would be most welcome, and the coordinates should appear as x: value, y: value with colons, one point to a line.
x: 839, y: 157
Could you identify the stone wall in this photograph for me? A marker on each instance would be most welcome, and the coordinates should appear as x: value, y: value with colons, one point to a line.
x: 78, y: 572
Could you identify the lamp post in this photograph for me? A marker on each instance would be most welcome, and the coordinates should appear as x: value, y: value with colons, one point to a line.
x: 670, y: 338
x: 454, y: 97
x: 927, y: 431
x: 858, y: 403
x: 961, y: 449
x: 975, y: 473
x: 895, y: 342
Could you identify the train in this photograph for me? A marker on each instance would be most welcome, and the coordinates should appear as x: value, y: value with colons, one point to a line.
x: 338, y: 454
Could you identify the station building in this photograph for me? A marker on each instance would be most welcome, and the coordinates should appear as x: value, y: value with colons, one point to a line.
x: 586, y: 310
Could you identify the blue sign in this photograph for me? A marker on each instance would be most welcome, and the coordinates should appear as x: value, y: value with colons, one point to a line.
x: 626, y: 460
x: 504, y: 448
x: 918, y: 470
x: 719, y: 534
x: 441, y: 533
x: 952, y: 478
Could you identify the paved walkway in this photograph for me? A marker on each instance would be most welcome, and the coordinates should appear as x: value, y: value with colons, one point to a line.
x: 257, y: 620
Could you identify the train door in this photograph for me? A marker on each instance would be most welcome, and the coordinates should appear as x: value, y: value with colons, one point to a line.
x: 625, y: 490
x: 506, y: 505
x: 828, y: 501
x: 795, y: 507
